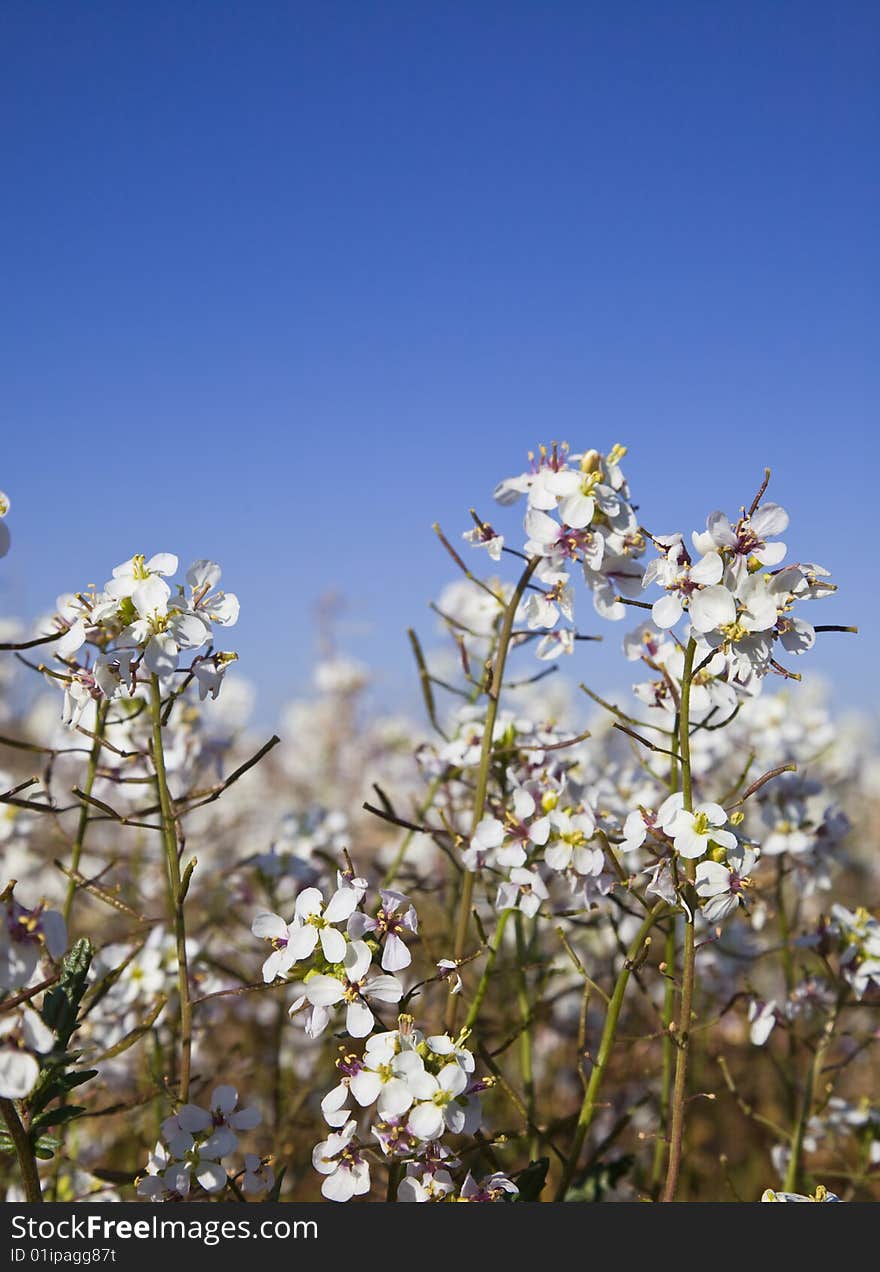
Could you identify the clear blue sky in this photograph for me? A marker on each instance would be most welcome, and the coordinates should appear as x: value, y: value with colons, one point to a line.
x: 283, y: 283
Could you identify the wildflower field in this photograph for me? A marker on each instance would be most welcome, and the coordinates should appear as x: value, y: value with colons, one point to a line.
x: 533, y: 945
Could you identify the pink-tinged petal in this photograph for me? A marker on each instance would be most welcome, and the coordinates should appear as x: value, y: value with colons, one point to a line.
x: 395, y: 955
x: 359, y: 924
x: 220, y: 1144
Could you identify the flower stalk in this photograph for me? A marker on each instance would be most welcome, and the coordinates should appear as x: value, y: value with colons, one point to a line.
x: 682, y: 1034
x: 482, y: 781
x: 175, y: 890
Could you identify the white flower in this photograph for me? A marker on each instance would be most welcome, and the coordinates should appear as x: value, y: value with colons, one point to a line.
x: 209, y: 672
x: 694, y: 832
x: 424, y: 1183
x: 324, y: 991
x: 484, y: 536
x: 746, y: 544
x: 217, y: 1125
x: 258, y: 1176
x: 209, y: 606
x: 271, y: 927
x: 394, y: 1079
x: 314, y: 922
x: 494, y: 1188
x: 722, y: 884
x: 139, y: 573
x: 682, y: 580
x: 441, y: 1111
x: 395, y: 918
x: 523, y: 889
x: 762, y: 1018
x: 347, y: 1173
x: 642, y: 820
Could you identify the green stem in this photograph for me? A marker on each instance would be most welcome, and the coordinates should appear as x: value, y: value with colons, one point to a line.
x: 24, y: 1151
x: 682, y: 1037
x: 395, y: 1170
x: 667, y: 1070
x: 588, y: 1107
x: 83, y: 823
x: 482, y: 782
x: 668, y: 1004
x: 793, y: 1172
x: 172, y: 861
x: 526, y: 1067
x: 494, y: 946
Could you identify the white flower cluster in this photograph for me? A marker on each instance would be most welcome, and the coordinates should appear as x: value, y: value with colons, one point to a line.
x: 735, y: 603
x: 138, y: 623
x: 420, y: 1088
x: 579, y: 514
x: 338, y: 961
x: 858, y: 932
x: 194, y: 1142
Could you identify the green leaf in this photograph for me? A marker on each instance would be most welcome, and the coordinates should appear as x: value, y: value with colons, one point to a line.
x: 55, y: 1117
x: 46, y: 1146
x: 61, y: 1004
x: 531, y: 1181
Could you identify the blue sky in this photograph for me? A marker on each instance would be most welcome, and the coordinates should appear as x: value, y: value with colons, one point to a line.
x: 285, y: 283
